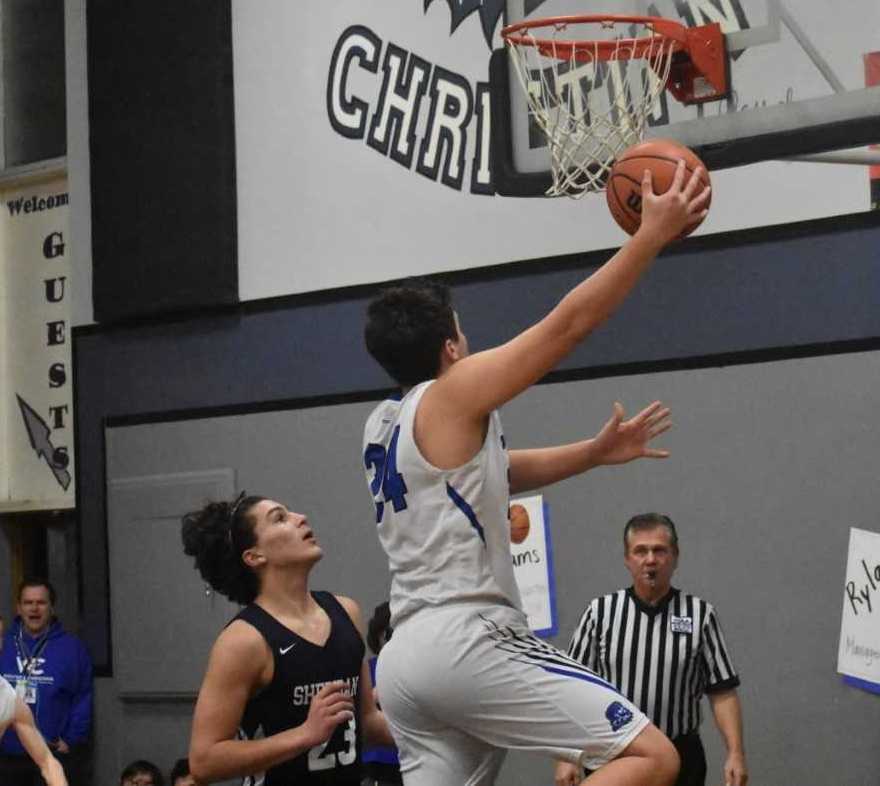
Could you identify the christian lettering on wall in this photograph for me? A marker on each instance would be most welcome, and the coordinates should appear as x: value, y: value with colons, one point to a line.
x: 36, y: 388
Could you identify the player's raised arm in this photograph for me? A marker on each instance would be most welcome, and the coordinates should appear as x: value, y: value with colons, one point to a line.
x: 33, y: 742
x: 484, y: 381
x: 618, y: 442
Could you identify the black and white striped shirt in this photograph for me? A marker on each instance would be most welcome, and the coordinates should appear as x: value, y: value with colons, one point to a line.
x: 663, y: 658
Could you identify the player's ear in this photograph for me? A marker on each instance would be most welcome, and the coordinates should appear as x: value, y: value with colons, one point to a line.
x: 253, y: 557
x: 448, y: 355
x: 451, y: 347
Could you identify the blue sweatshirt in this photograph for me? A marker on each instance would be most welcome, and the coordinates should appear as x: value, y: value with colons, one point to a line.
x: 61, y: 673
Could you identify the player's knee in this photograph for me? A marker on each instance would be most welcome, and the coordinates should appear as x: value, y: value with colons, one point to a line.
x: 672, y: 764
x: 668, y: 762
x: 655, y: 746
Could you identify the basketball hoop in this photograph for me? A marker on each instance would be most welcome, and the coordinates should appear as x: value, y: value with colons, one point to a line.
x: 591, y: 96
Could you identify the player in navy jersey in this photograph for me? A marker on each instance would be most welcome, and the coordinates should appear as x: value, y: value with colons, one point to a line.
x: 289, y: 668
x: 463, y: 679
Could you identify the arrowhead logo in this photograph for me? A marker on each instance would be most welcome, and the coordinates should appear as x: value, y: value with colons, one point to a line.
x: 39, y: 434
x: 490, y: 12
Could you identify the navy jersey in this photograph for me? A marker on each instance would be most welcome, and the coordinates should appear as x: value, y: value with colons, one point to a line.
x: 301, y: 670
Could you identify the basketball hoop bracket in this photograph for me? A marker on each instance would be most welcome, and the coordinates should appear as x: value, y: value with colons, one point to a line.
x: 699, y: 72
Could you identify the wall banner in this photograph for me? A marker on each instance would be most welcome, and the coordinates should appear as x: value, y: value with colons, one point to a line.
x: 363, y: 134
x: 36, y: 386
x: 532, y: 553
x: 858, y: 657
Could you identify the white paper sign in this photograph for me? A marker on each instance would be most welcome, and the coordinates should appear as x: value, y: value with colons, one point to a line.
x: 36, y: 391
x: 533, y: 562
x: 859, y: 651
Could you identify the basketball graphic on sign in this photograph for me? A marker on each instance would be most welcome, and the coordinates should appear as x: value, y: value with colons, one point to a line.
x: 519, y: 523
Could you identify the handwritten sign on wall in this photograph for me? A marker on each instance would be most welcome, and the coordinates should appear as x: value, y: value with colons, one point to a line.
x: 859, y: 651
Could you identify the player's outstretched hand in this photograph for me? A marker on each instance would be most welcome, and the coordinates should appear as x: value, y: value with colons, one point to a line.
x: 622, y: 440
x: 331, y: 706
x: 666, y: 216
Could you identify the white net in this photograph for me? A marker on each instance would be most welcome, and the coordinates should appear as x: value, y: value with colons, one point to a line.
x: 591, y: 100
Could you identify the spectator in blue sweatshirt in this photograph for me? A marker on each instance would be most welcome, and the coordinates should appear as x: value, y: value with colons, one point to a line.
x: 52, y: 672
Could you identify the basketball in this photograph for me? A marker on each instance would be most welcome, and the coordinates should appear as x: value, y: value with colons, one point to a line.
x: 624, y: 187
x: 519, y: 523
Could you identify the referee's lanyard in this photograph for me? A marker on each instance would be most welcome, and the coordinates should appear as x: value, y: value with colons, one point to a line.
x: 26, y: 688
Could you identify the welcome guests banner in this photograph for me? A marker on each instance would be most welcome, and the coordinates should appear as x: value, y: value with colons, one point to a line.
x: 36, y: 392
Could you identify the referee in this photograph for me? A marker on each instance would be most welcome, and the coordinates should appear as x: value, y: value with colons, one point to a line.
x: 662, y: 649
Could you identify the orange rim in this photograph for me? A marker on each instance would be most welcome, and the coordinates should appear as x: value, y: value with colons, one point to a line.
x: 665, y: 33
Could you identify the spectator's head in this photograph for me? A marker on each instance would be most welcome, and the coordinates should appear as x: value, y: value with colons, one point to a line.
x: 180, y: 774
x: 36, y: 605
x: 410, y: 329
x: 379, y: 629
x: 651, y: 554
x: 141, y: 773
x: 236, y: 543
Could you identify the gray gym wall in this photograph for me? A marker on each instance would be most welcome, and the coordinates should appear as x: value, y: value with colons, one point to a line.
x: 735, y: 299
x: 767, y: 475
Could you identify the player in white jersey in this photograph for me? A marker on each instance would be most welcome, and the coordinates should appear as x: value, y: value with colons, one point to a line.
x: 14, y: 712
x: 463, y: 679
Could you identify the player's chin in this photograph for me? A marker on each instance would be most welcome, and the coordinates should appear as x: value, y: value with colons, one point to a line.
x: 305, y: 556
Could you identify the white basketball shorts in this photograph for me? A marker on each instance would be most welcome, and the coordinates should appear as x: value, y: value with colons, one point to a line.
x: 463, y: 683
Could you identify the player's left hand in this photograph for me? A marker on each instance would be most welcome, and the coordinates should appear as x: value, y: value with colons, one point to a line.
x: 567, y: 774
x: 735, y: 772
x: 622, y: 440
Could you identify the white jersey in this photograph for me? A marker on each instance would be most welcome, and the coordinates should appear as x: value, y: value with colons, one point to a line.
x: 7, y: 704
x: 446, y: 532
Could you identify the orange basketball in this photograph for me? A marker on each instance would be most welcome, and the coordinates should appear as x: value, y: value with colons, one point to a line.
x: 519, y: 523
x: 624, y: 187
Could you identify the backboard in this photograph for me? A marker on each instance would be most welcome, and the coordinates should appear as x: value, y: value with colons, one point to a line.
x: 799, y: 76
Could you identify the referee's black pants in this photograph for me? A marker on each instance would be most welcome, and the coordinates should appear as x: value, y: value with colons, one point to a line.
x: 693, y: 760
